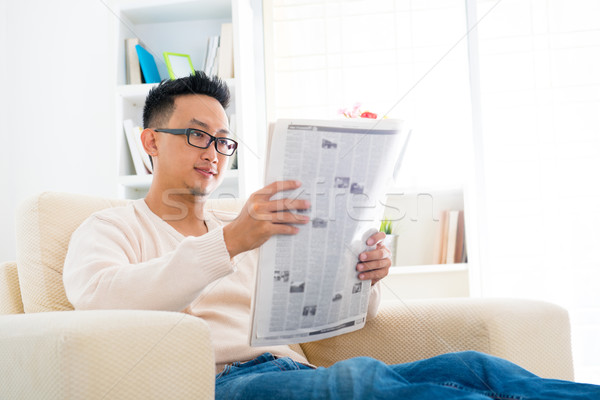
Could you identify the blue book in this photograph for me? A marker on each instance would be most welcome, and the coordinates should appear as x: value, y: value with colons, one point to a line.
x: 148, y: 65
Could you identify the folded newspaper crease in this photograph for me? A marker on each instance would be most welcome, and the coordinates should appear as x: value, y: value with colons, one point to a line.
x: 307, y: 286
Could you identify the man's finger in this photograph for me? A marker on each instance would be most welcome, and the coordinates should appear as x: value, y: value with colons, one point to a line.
x: 375, y: 274
x: 374, y: 265
x: 289, y: 218
x: 285, y: 229
x: 278, y: 186
x: 376, y: 237
x: 286, y: 205
x: 377, y: 254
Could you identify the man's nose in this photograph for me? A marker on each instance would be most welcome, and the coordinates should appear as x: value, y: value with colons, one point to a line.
x: 210, y: 153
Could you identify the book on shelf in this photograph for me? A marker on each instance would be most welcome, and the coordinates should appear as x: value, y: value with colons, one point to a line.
x: 451, y: 245
x: 148, y: 65
x: 225, y: 69
x: 441, y: 240
x: 219, y: 53
x: 211, y: 61
x: 132, y: 63
x: 233, y: 163
x: 460, y: 255
x: 141, y: 162
x: 451, y: 236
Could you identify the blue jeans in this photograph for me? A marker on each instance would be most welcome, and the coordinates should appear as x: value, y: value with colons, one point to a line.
x: 465, y: 375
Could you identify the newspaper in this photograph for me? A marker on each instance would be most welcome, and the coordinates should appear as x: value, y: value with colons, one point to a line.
x: 307, y: 286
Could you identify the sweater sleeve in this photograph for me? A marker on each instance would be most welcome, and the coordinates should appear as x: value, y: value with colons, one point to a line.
x: 103, y: 269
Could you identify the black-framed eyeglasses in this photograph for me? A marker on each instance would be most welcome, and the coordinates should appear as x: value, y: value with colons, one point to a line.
x: 202, y: 140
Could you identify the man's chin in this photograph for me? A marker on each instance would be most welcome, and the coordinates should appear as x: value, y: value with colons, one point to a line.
x: 204, y: 190
x: 200, y: 192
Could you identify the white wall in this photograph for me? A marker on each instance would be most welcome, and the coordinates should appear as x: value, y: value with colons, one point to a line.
x: 6, y: 158
x: 58, y: 126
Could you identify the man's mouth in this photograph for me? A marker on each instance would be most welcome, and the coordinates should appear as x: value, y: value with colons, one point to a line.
x: 208, y: 172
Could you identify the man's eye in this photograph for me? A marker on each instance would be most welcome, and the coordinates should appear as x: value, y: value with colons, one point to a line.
x: 226, y: 143
x: 197, y: 133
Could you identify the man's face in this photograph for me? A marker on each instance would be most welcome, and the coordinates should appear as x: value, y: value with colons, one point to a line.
x: 182, y: 166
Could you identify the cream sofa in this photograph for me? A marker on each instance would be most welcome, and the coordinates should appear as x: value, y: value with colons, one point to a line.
x: 49, y: 351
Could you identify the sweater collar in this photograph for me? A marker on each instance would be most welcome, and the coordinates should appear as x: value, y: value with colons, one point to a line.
x: 211, y: 221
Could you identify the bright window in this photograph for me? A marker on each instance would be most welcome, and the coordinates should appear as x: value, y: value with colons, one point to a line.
x: 403, y: 59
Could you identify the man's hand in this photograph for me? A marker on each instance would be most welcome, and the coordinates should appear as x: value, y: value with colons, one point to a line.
x: 374, y: 264
x: 262, y: 218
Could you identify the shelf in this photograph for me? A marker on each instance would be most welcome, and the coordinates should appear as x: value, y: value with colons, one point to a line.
x: 412, y: 190
x: 428, y: 269
x: 161, y: 11
x: 426, y: 281
x: 139, y: 92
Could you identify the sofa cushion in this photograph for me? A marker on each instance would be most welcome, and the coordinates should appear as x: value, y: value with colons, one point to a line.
x: 44, y: 226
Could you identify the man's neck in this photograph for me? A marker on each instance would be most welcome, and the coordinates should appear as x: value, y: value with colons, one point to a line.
x: 184, y: 212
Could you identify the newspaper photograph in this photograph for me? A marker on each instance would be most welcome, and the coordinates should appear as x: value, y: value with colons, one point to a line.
x: 307, y: 286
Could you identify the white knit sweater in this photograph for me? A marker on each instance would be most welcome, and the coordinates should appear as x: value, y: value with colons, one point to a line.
x: 129, y: 258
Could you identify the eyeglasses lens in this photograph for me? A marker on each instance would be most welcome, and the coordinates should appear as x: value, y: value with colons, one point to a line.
x: 201, y: 139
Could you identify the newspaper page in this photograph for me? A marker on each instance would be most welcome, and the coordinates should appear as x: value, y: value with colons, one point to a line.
x: 307, y: 285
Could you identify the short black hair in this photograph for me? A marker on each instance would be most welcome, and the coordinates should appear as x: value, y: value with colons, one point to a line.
x: 160, y: 101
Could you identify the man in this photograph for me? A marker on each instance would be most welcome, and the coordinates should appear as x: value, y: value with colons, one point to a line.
x: 166, y: 252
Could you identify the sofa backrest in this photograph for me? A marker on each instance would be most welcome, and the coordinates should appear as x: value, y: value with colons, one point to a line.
x: 44, y: 226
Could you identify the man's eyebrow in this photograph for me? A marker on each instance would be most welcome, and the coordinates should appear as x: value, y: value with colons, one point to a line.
x: 194, y: 121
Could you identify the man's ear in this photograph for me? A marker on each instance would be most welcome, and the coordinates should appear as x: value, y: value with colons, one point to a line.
x: 149, y: 141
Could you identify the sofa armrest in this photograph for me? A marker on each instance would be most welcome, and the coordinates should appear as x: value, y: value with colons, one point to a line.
x: 532, y: 334
x: 105, y: 354
x: 10, y: 292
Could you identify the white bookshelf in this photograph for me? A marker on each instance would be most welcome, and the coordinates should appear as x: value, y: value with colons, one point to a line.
x: 184, y: 27
x: 417, y: 219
